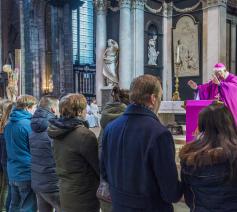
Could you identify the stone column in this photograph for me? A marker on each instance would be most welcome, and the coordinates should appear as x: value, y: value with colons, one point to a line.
x: 167, y: 52
x: 67, y: 55
x: 101, y: 36
x: 55, y: 50
x: 137, y: 38
x: 22, y: 32
x: 214, y: 35
x: 61, y: 49
x: 42, y: 45
x: 233, y: 47
x: 125, y: 44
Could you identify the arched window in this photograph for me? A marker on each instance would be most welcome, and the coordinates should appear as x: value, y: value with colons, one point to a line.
x: 82, y: 30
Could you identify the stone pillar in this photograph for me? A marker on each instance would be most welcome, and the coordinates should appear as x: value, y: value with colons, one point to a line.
x: 137, y: 38
x: 125, y: 44
x: 101, y: 36
x: 22, y: 32
x: 42, y: 50
x: 167, y: 52
x: 67, y: 54
x: 233, y: 47
x: 55, y: 50
x: 61, y: 51
x: 214, y: 35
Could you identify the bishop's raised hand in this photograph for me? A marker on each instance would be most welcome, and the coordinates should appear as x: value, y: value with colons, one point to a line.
x: 192, y: 84
x: 215, y: 80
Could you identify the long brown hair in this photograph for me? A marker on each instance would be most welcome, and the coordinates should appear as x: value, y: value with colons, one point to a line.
x: 7, y: 108
x: 120, y: 95
x: 217, y: 141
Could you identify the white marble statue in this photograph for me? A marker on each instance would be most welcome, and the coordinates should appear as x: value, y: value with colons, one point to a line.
x: 180, y: 53
x: 12, y: 86
x: 110, y: 68
x: 152, y: 52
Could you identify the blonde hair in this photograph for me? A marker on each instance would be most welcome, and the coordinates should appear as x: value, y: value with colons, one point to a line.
x: 26, y: 101
x: 72, y: 105
x: 7, y: 108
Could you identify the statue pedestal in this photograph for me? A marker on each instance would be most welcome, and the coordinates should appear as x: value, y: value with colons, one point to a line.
x: 106, y: 95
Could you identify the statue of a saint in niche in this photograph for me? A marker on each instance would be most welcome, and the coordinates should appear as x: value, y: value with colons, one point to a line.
x: 152, y: 51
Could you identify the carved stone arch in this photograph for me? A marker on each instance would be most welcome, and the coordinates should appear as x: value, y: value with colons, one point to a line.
x: 185, y: 15
x: 149, y: 23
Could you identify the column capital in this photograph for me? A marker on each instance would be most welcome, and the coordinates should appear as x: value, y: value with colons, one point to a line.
x: 125, y: 3
x: 138, y: 4
x: 167, y: 9
x: 212, y: 3
x: 101, y: 5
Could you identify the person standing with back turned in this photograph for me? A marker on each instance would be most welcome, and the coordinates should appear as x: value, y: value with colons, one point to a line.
x: 16, y: 134
x: 44, y: 180
x: 138, y: 154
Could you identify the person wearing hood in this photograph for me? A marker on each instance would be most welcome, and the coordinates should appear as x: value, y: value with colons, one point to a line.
x: 44, y: 180
x: 76, y: 156
x: 16, y: 134
x: 111, y: 111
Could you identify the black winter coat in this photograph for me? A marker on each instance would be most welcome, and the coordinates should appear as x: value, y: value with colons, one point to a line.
x: 209, y: 189
x: 138, y: 162
x: 77, y: 163
x: 110, y: 112
x: 43, y: 168
x: 3, y: 154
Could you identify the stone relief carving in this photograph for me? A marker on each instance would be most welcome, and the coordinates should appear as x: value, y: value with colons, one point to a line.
x: 152, y: 51
x: 138, y: 4
x: 152, y: 10
x: 101, y: 5
x: 185, y: 45
x: 125, y: 3
x: 189, y: 9
x: 167, y: 9
x: 110, y: 68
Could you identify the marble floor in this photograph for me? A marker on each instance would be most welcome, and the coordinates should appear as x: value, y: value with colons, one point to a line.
x: 179, y: 207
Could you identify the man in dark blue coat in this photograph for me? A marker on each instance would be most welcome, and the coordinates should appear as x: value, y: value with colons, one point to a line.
x: 44, y: 180
x: 138, y: 154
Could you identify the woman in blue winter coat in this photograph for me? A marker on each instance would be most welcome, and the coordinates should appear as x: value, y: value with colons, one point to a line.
x: 209, y: 164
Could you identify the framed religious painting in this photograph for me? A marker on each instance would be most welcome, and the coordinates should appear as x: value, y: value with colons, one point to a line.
x: 185, y: 47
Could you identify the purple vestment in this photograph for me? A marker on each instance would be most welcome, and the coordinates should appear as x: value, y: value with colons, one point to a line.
x: 227, y: 92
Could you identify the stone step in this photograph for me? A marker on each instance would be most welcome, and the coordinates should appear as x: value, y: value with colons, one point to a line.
x: 180, y: 139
